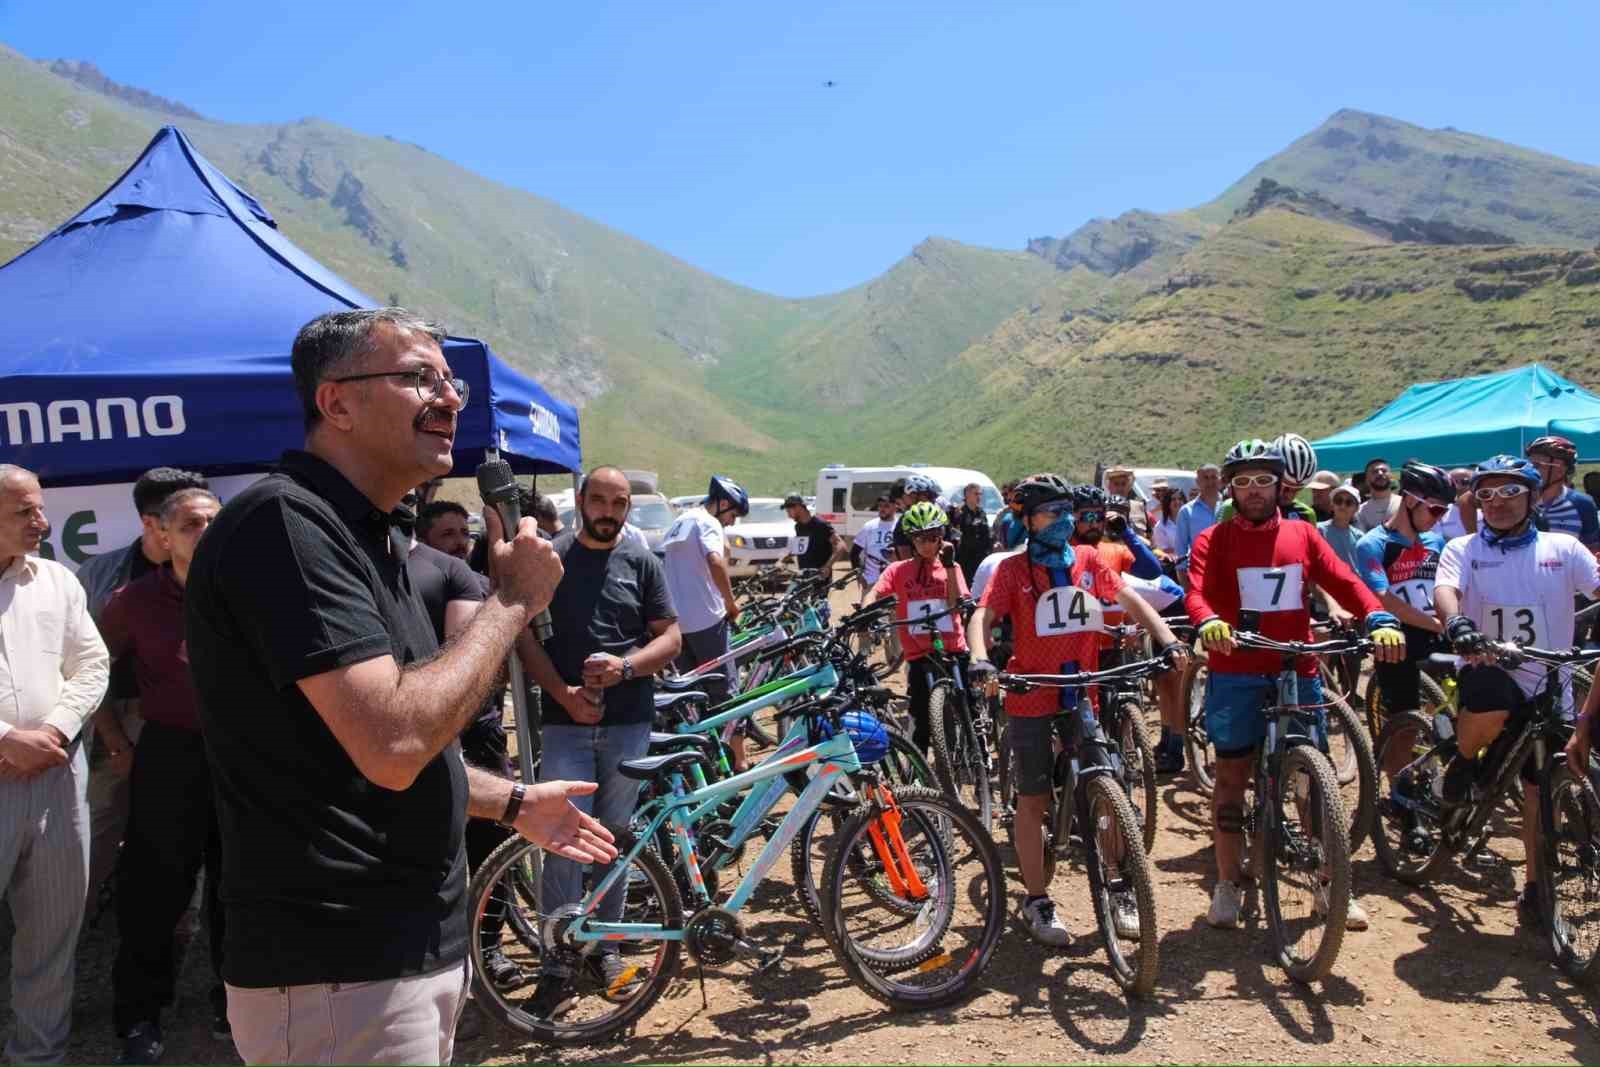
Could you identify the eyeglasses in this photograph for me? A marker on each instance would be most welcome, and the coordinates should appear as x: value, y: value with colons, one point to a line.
x: 1502, y: 492
x: 924, y: 536
x: 1091, y: 516
x: 1436, y: 510
x: 429, y: 383
x: 1259, y: 481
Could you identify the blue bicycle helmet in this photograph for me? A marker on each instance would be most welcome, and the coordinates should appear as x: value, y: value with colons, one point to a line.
x: 1515, y: 466
x: 731, y: 491
x: 921, y: 483
x: 866, y: 733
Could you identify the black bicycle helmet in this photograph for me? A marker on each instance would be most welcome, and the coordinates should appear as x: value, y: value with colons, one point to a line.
x: 1090, y: 497
x: 1426, y: 481
x: 731, y: 491
x: 1118, y: 504
x: 921, y: 483
x: 1041, y: 489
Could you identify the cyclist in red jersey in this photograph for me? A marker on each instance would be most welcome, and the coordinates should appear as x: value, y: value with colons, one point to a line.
x: 1260, y: 565
x: 1056, y: 598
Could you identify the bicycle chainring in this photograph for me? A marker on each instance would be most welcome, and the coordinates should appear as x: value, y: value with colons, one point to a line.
x: 711, y: 935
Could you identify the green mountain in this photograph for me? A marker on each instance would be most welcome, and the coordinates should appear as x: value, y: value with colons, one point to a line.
x: 1365, y: 256
x: 676, y: 369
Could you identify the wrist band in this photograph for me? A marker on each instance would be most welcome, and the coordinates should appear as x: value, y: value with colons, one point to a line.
x: 514, y: 804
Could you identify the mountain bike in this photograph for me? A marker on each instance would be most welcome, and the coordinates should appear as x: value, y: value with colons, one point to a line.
x: 1298, y: 814
x: 1089, y: 791
x: 1417, y: 835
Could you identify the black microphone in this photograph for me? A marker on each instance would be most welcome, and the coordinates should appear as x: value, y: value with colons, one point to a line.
x: 498, y: 487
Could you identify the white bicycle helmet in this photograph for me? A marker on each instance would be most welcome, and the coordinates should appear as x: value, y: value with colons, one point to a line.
x: 1299, y: 458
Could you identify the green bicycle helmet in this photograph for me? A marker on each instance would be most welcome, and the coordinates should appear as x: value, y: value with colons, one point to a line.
x: 1253, y: 452
x: 923, y: 516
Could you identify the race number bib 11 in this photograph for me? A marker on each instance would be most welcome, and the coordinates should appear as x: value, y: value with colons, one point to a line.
x: 1271, y: 588
x: 921, y: 609
x: 1066, y: 610
x: 1522, y: 623
x: 1418, y: 592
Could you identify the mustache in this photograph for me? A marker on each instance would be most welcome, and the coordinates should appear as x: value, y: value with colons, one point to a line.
x: 432, y: 418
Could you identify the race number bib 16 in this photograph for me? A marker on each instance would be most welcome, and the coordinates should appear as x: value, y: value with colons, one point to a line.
x: 1066, y: 610
x: 921, y: 609
x: 1418, y: 592
x: 1271, y: 588
x: 1522, y: 623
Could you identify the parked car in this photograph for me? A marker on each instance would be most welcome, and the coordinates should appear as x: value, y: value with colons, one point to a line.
x: 693, y: 500
x: 1179, y: 479
x: 761, y: 538
x: 652, y: 515
x: 847, y: 496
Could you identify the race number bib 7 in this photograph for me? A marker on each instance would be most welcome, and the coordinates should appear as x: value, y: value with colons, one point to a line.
x: 1271, y: 588
x: 1522, y: 623
x: 1418, y: 592
x: 1068, y: 611
x: 921, y: 609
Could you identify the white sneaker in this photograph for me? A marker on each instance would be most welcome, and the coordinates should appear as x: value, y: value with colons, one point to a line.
x: 1039, y: 916
x: 1355, y: 916
x: 1224, y: 913
x: 1125, y: 915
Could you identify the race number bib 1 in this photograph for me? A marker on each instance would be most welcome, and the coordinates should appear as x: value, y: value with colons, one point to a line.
x: 1065, y: 610
x: 921, y: 609
x: 1271, y: 588
x: 1418, y: 592
x: 1522, y: 623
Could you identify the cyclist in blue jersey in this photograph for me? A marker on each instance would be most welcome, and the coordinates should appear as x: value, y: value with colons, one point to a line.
x: 1561, y: 508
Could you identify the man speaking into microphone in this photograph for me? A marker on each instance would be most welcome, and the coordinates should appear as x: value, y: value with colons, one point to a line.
x: 330, y: 716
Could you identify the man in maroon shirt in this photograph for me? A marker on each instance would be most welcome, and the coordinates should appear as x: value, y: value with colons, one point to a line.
x: 172, y: 824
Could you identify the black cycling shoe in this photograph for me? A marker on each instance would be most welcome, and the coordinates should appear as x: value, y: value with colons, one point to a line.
x: 501, y: 972
x: 1528, y: 906
x: 1169, y: 756
x: 142, y: 1043
x: 553, y: 996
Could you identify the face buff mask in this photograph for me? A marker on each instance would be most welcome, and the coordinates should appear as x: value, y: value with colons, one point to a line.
x: 1051, y: 547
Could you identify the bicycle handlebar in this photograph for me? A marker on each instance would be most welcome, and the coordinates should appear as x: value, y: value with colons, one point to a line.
x: 1026, y: 683
x: 1250, y: 639
x: 1513, y: 655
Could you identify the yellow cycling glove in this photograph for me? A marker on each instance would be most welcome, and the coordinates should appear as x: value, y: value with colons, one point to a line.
x: 1215, y: 630
x: 1388, y: 637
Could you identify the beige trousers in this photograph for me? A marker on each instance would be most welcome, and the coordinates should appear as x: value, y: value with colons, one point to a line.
x: 400, y: 1020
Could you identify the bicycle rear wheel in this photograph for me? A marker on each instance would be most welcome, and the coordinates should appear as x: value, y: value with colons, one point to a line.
x: 1569, y: 868
x: 1139, y: 770
x: 1307, y: 846
x: 1201, y: 757
x: 594, y: 1006
x: 957, y: 760
x: 1350, y: 753
x: 1120, y: 876
x: 938, y: 856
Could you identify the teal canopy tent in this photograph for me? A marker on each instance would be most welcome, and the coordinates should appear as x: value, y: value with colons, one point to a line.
x: 1460, y: 422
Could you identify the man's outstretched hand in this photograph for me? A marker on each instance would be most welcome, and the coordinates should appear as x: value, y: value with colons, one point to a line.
x: 550, y: 820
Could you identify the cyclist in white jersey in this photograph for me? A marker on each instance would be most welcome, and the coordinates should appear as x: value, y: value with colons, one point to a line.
x: 872, y: 546
x: 1507, y: 582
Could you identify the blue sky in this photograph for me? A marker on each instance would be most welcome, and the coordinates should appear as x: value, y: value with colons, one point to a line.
x: 706, y: 129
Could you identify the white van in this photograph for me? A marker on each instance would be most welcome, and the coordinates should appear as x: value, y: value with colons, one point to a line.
x: 847, y: 496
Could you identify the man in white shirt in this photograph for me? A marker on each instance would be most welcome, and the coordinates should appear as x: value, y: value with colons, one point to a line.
x: 53, y: 672
x: 873, y: 547
x: 696, y: 565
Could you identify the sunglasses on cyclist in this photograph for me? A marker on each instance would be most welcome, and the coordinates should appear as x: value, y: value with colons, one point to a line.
x: 1055, y: 507
x: 1503, y: 492
x: 928, y: 535
x: 1259, y: 481
x: 1091, y: 516
x: 1436, y: 510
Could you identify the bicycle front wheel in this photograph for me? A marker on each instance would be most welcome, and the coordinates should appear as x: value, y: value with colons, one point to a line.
x: 1569, y: 868
x: 1202, y: 758
x: 1407, y: 829
x: 1307, y: 846
x: 957, y: 760
x: 597, y: 1001
x: 915, y: 900
x: 1139, y: 770
x: 1121, y: 887
x: 1350, y: 753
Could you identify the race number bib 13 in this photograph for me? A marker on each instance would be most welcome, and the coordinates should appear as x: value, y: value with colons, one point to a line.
x: 1271, y: 588
x: 921, y: 609
x: 1066, y: 610
x: 1522, y: 623
x: 1418, y: 592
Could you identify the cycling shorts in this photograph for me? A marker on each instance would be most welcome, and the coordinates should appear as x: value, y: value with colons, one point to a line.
x: 1490, y: 688
x: 1234, y: 705
x: 1033, y: 757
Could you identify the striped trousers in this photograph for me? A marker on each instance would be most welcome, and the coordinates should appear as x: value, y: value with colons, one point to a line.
x: 44, y: 874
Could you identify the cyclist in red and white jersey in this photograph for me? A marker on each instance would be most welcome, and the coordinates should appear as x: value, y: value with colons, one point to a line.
x: 1056, y: 597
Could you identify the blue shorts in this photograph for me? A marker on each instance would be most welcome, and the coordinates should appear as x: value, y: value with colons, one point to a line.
x: 1234, y: 705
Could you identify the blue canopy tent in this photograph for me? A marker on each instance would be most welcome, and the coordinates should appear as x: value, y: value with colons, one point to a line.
x: 154, y: 328
x: 1460, y: 422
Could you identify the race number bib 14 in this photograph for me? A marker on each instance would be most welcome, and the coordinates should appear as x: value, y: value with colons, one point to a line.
x: 1271, y: 588
x: 921, y: 609
x: 1066, y: 610
x: 1522, y: 623
x: 1418, y: 592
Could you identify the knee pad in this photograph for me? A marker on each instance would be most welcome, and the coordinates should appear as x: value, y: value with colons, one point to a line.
x: 1230, y: 818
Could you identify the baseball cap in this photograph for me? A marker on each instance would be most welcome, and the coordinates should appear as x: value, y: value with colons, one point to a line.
x: 794, y: 500
x: 1346, y: 489
x: 1324, y: 480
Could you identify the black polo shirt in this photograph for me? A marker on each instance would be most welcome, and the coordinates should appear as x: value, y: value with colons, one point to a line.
x: 438, y: 579
x: 813, y: 543
x: 326, y: 876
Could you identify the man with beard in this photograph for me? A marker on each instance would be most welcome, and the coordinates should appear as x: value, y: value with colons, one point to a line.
x: 442, y: 526
x: 614, y: 628
x: 1383, y: 503
x: 1259, y: 564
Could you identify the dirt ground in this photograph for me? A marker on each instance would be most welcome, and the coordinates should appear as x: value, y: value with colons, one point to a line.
x: 1446, y: 974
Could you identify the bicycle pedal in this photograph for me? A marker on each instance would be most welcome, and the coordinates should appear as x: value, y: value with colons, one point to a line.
x: 761, y: 960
